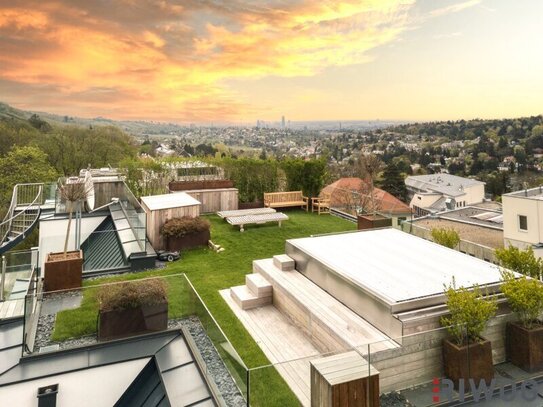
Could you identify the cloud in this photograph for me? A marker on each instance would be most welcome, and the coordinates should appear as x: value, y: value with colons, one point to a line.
x: 454, y: 8
x: 171, y: 60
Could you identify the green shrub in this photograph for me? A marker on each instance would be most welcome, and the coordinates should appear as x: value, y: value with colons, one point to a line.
x: 525, y: 297
x: 132, y: 294
x: 521, y: 261
x: 178, y: 227
x: 469, y: 313
x: 446, y: 237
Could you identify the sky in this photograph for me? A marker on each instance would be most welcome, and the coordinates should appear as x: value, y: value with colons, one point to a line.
x: 197, y: 61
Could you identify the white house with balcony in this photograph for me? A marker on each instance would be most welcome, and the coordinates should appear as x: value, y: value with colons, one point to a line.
x: 439, y: 192
x: 523, y: 219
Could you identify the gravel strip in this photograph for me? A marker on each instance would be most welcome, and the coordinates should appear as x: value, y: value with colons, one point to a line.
x: 215, y: 366
x: 394, y: 399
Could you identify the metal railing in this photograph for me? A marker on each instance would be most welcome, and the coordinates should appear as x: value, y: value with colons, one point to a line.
x: 23, y: 211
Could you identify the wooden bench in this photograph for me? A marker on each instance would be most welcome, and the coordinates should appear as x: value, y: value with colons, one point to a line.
x: 284, y: 199
x: 241, y: 212
x: 241, y: 221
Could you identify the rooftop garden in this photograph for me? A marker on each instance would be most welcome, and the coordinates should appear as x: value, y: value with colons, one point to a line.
x: 210, y: 272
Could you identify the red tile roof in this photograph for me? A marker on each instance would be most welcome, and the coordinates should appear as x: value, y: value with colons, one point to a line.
x: 341, y: 193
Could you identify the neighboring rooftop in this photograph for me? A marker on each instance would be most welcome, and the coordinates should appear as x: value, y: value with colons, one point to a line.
x: 166, y: 201
x: 532, y: 193
x: 447, y: 184
x: 477, y: 216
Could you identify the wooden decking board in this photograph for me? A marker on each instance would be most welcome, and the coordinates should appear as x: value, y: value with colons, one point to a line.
x: 285, y: 345
x: 337, y: 318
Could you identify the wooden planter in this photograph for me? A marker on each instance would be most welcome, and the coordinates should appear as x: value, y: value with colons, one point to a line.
x: 132, y: 321
x: 188, y: 241
x: 63, y: 272
x: 473, y: 361
x: 250, y: 205
x: 525, y: 346
x: 372, y: 222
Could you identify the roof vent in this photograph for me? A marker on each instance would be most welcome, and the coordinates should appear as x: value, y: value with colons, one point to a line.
x: 47, y: 396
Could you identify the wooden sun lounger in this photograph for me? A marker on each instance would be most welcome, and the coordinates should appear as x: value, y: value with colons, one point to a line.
x: 241, y: 221
x: 241, y: 212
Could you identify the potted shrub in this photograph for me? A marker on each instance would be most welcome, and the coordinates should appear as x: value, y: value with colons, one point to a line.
x: 185, y: 232
x: 466, y: 355
x: 64, y: 270
x: 132, y: 308
x: 524, y: 339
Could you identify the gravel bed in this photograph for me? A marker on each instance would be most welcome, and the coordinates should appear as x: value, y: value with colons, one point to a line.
x: 215, y: 366
x: 394, y: 399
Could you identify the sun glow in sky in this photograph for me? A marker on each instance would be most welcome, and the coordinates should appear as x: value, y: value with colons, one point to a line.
x: 233, y: 60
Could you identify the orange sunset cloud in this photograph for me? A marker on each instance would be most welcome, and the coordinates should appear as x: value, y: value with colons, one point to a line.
x: 164, y: 60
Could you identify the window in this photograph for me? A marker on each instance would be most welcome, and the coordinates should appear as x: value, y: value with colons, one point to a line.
x: 522, y: 222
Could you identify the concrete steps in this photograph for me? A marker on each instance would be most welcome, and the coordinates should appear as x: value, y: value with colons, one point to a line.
x: 283, y: 262
x: 246, y: 299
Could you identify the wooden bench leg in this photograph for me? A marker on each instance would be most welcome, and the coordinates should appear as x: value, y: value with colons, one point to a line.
x: 279, y: 223
x: 241, y: 228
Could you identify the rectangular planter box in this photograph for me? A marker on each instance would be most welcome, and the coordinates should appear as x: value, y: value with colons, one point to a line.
x: 116, y: 324
x: 188, y: 241
x: 62, y: 273
x: 250, y: 205
x: 525, y: 346
x: 372, y: 222
x: 204, y: 184
x: 473, y: 361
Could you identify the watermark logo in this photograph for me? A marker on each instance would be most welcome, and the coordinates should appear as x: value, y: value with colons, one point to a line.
x: 443, y: 390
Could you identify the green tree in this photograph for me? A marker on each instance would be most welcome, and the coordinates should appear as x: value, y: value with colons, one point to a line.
x: 305, y: 175
x: 446, y: 237
x: 469, y: 313
x: 23, y: 165
x: 521, y: 261
x: 393, y: 182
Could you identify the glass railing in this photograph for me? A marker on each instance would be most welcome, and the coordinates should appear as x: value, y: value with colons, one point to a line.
x: 129, y: 306
x: 17, y: 267
x: 419, y: 370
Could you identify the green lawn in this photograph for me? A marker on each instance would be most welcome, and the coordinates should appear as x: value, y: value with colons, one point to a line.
x: 210, y: 272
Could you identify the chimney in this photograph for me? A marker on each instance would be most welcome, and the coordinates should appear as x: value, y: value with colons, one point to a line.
x: 47, y: 396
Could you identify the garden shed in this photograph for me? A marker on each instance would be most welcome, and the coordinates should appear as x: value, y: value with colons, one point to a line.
x: 160, y: 208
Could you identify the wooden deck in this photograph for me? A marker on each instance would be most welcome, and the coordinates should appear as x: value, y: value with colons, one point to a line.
x: 285, y: 345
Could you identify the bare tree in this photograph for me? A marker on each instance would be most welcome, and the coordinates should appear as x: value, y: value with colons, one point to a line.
x: 369, y: 167
x: 73, y: 191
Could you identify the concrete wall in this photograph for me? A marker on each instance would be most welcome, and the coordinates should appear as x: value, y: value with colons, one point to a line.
x: 467, y: 247
x: 424, y: 200
x: 474, y: 194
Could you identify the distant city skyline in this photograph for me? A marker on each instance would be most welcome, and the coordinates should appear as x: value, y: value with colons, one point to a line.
x: 236, y: 61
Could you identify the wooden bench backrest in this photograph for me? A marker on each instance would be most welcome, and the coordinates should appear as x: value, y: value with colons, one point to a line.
x: 291, y: 196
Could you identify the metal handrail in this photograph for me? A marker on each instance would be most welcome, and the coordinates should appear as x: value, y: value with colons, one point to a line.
x: 5, y: 226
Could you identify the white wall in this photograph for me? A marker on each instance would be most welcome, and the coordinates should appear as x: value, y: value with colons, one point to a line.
x: 53, y: 233
x: 474, y: 194
x: 512, y: 207
x: 424, y: 200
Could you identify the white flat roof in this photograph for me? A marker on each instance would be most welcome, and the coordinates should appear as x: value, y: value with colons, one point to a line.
x: 167, y: 201
x: 395, y: 265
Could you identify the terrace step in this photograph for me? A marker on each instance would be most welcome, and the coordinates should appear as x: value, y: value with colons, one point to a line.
x: 283, y: 262
x: 246, y: 299
x: 258, y: 285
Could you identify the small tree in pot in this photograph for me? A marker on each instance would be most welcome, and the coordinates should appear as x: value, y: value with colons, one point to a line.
x: 186, y: 232
x: 64, y: 270
x: 467, y: 355
x: 132, y: 308
x: 525, y: 337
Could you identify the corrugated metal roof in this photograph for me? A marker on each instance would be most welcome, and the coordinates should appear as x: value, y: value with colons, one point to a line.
x: 102, y: 250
